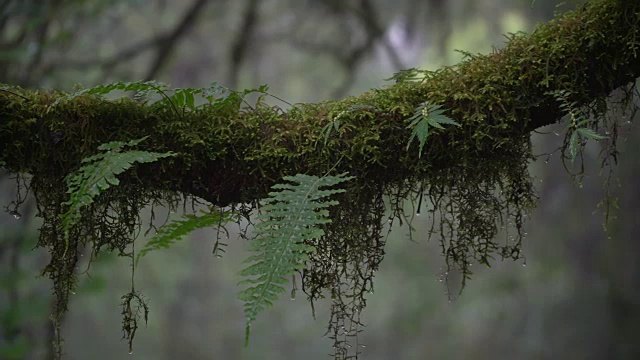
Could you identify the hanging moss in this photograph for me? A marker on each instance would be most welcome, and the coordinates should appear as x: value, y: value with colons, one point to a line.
x: 229, y: 153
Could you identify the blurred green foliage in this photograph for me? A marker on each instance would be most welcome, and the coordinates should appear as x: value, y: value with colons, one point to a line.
x: 576, y: 298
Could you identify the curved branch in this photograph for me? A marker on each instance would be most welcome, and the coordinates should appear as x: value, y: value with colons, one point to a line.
x: 235, y: 156
x: 172, y: 39
x: 241, y: 44
x: 163, y: 43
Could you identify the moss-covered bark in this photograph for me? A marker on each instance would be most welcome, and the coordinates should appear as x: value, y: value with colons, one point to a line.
x: 233, y: 155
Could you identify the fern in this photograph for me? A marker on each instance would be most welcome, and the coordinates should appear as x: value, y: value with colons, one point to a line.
x: 98, y: 174
x: 176, y: 230
x: 577, y: 123
x: 336, y: 124
x: 409, y: 75
x: 183, y: 98
x: 331, y: 126
x: 426, y: 116
x: 289, y: 223
x: 142, y: 89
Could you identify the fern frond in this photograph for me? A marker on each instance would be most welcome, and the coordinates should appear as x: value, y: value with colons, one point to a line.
x: 98, y: 174
x: 578, y: 123
x: 290, y: 221
x: 142, y: 89
x: 427, y: 115
x: 178, y: 99
x: 174, y: 231
x: 407, y: 75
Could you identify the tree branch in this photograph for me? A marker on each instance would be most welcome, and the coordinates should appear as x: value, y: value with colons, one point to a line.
x: 172, y: 39
x: 163, y: 43
x: 235, y: 156
x: 240, y: 45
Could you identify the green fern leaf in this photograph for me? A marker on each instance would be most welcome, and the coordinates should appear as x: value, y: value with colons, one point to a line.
x: 174, y: 231
x: 577, y: 123
x: 289, y: 223
x: 426, y: 116
x: 588, y: 133
x: 574, y: 142
x: 408, y: 75
x: 142, y: 89
x: 98, y: 174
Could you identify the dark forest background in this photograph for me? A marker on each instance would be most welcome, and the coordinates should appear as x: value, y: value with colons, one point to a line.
x: 578, y: 297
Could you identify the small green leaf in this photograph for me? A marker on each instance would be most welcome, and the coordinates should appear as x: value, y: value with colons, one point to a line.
x: 426, y: 115
x: 588, y: 133
x: 189, y: 100
x: 573, y: 145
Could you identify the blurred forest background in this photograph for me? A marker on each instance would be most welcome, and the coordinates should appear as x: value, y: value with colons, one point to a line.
x: 578, y: 297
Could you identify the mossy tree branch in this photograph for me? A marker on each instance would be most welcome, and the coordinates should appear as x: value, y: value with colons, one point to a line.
x: 496, y: 97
